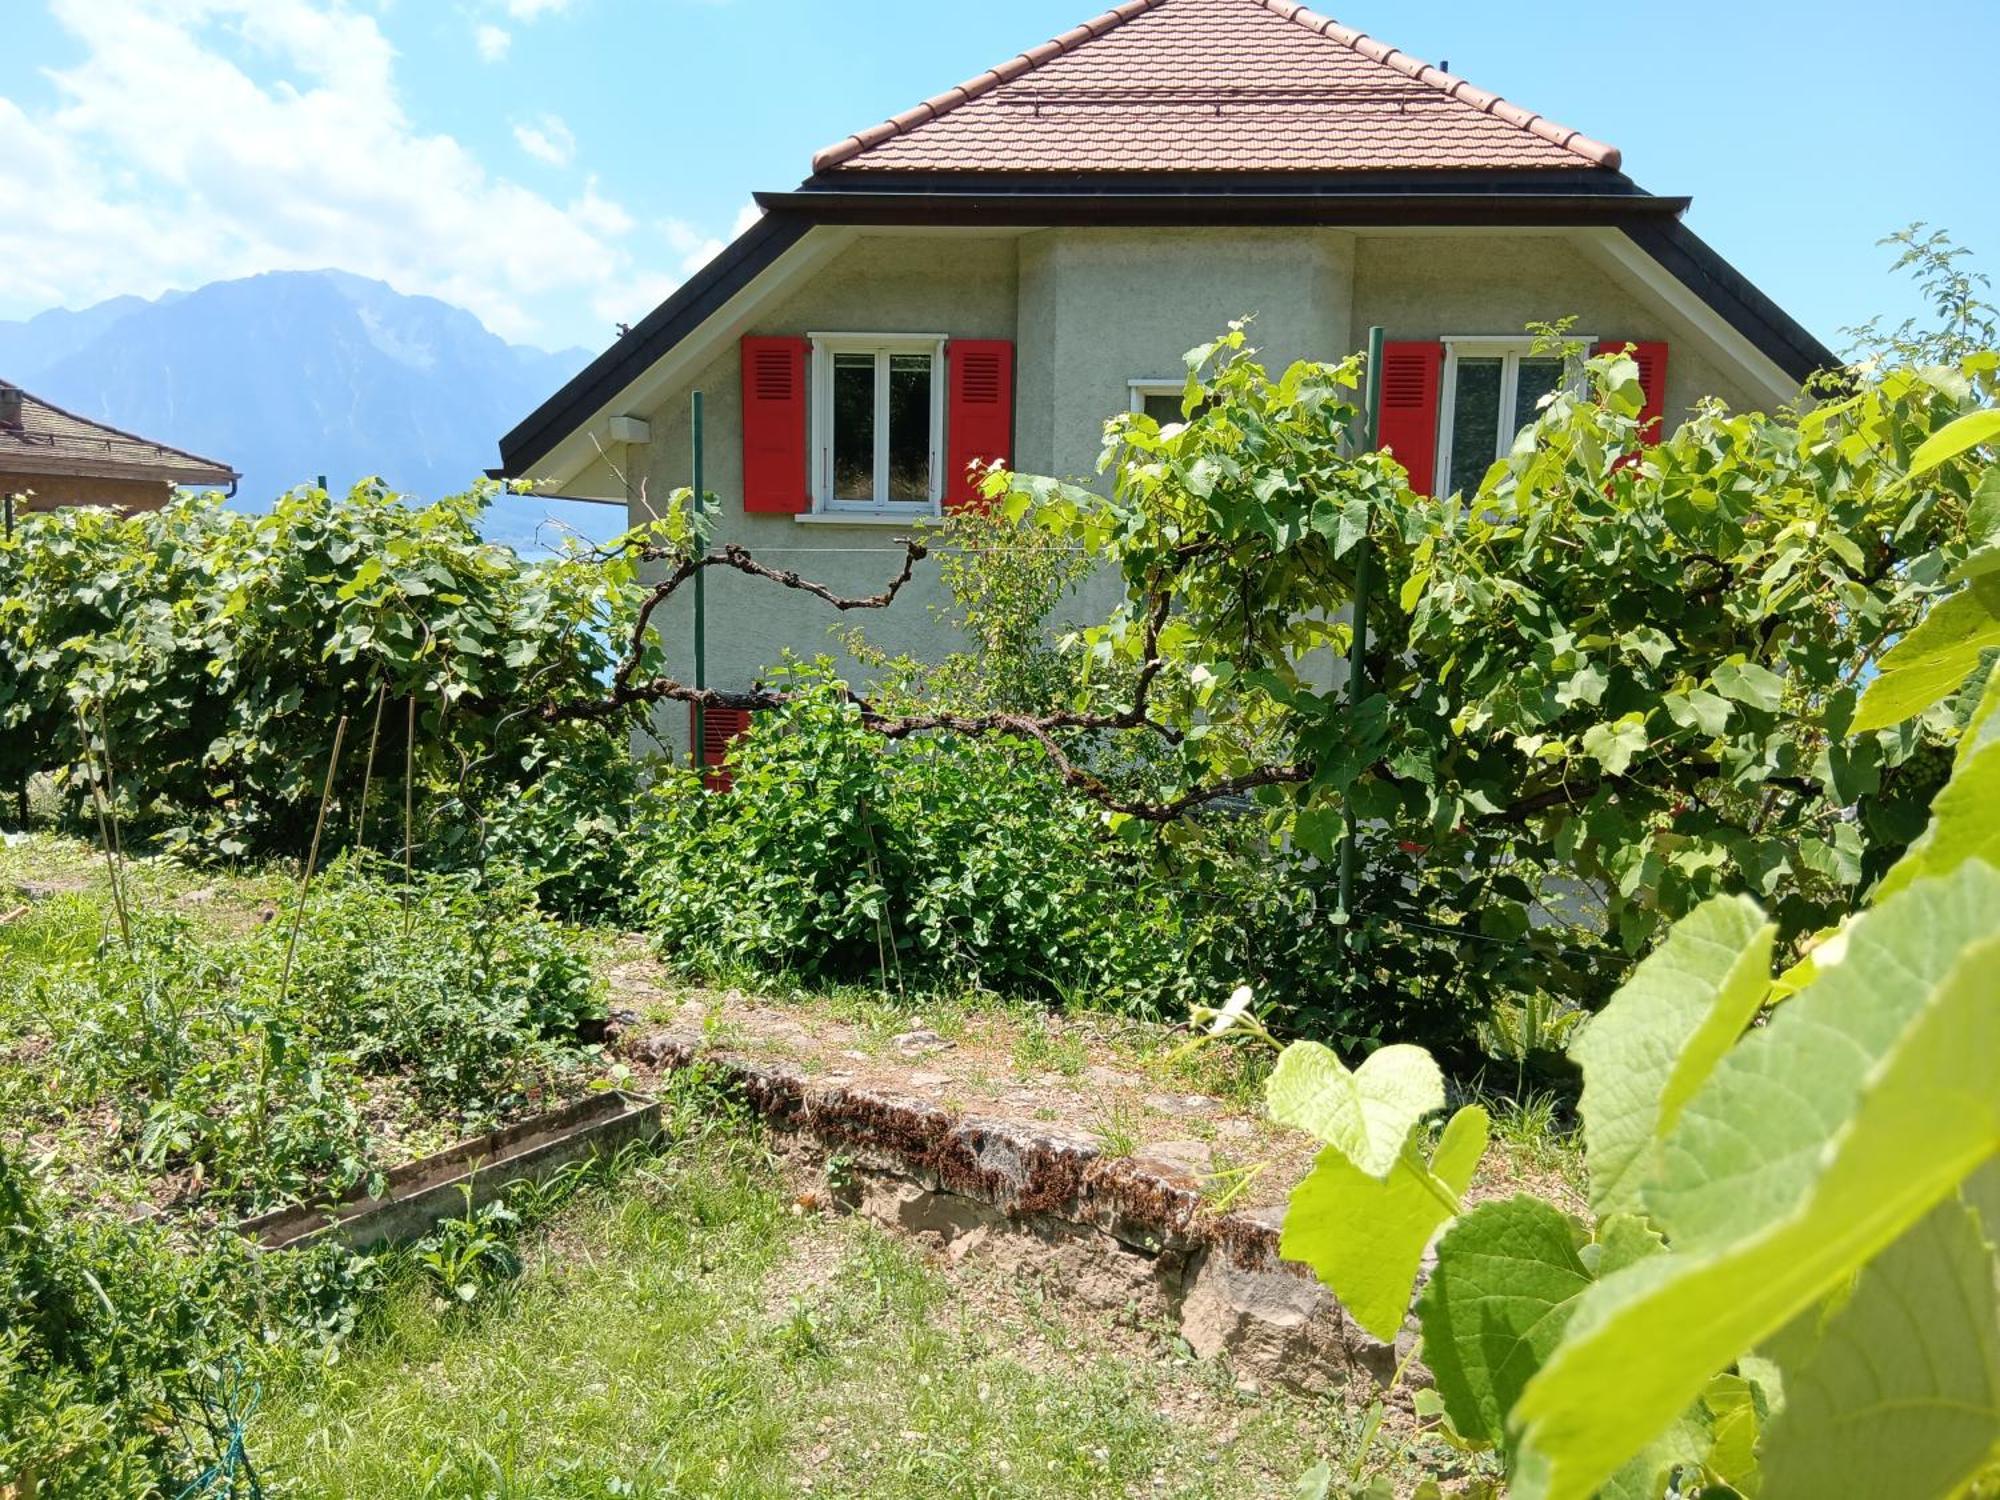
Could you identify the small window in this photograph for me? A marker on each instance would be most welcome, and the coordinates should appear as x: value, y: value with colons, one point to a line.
x: 1492, y: 389
x: 1161, y: 399
x: 878, y: 421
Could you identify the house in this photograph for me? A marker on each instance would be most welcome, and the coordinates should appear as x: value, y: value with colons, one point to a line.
x: 992, y: 273
x: 51, y: 457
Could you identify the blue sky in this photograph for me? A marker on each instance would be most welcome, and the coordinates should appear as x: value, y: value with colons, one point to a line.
x: 558, y: 165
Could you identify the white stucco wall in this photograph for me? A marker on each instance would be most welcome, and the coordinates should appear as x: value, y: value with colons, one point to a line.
x: 1090, y: 310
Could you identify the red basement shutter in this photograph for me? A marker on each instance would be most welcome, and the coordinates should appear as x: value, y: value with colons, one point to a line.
x: 979, y: 415
x: 1652, y: 361
x: 774, y: 426
x: 1412, y: 376
x: 721, y: 727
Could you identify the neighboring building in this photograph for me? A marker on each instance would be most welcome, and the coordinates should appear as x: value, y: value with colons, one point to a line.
x: 996, y: 271
x: 53, y: 457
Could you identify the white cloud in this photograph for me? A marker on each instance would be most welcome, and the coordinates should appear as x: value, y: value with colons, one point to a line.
x: 491, y: 41
x: 547, y: 139
x: 630, y: 300
x: 692, y: 248
x: 297, y: 153
x: 596, y: 212
x: 528, y: 10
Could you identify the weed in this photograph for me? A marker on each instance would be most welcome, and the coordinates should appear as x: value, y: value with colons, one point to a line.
x: 1118, y: 1127
x: 1044, y: 1047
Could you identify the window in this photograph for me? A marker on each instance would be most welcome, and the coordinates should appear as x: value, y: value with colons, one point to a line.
x: 1160, y: 399
x: 1492, y: 389
x: 878, y: 421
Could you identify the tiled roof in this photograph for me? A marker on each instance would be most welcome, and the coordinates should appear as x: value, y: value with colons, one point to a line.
x: 1214, y: 86
x: 49, y: 440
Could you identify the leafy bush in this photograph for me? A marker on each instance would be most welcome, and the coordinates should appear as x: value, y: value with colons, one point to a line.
x: 220, y: 650
x: 1788, y: 1284
x: 109, y: 1337
x: 838, y: 855
x: 572, y: 831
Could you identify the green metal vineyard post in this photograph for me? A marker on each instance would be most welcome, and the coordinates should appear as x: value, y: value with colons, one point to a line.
x: 700, y: 603
x: 1357, y: 647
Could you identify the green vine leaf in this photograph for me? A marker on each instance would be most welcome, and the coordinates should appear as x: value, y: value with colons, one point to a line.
x: 1366, y: 1114
x: 1815, y: 1144
x: 1927, y: 665
x: 1902, y: 1396
x: 1507, y: 1277
x: 1365, y: 1237
x: 1647, y: 1051
x: 1955, y: 437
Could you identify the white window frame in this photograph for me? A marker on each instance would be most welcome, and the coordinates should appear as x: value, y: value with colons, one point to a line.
x: 824, y: 347
x: 1511, y: 349
x: 1146, y: 386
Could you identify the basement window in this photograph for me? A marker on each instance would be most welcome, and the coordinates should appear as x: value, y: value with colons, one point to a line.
x: 1492, y: 389
x: 878, y: 422
x: 1160, y: 399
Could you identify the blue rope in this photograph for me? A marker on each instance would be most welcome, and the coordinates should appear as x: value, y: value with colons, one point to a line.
x: 222, y: 1417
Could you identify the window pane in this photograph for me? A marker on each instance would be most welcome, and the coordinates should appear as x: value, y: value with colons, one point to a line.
x: 1538, y: 378
x: 854, y: 427
x: 1163, y: 406
x: 1475, y: 422
x: 910, y: 427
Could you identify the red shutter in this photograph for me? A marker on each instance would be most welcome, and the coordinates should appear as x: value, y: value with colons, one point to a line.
x: 979, y: 416
x: 721, y: 728
x: 774, y: 426
x: 1412, y: 376
x: 1652, y: 361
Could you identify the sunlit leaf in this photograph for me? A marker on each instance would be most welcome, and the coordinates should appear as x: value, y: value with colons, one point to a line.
x: 1902, y: 1394
x: 1365, y: 1237
x: 1658, y: 1039
x: 1817, y: 1142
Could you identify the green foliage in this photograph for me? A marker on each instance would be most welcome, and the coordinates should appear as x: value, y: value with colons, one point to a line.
x: 1788, y: 1284
x: 1008, y: 584
x: 1900, y: 1393
x: 220, y: 649
x: 1619, y: 673
x: 444, y: 1010
x: 943, y: 862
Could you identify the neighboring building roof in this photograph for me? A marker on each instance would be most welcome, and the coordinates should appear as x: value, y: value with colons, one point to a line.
x: 1215, y: 86
x: 48, y: 440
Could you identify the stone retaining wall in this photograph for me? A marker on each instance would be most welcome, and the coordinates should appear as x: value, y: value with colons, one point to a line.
x: 1121, y: 1234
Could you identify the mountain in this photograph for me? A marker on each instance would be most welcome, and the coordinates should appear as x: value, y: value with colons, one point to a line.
x: 294, y: 374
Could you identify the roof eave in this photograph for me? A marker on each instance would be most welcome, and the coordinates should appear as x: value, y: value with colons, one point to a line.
x: 1140, y: 200
x: 30, y: 464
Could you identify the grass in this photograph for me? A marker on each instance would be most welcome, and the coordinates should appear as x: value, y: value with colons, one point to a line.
x: 691, y: 1335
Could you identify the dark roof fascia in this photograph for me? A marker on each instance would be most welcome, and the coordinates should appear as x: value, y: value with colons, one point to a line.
x: 1198, y: 207
x: 1779, y: 336
x: 691, y: 305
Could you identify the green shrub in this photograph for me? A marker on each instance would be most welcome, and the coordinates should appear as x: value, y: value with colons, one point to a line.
x: 570, y: 833
x: 838, y: 854
x: 943, y: 861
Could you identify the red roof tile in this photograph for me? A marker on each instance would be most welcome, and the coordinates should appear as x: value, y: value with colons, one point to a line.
x: 1214, y: 86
